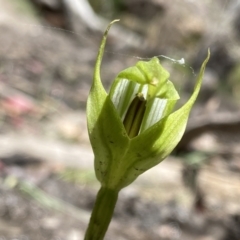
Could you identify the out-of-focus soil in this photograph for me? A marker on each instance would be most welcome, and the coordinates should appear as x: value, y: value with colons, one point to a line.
x: 47, y: 183
x: 157, y: 206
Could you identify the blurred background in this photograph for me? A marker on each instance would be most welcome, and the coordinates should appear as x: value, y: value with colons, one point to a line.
x: 47, y: 54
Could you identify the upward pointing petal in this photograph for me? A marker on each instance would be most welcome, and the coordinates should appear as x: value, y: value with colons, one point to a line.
x: 97, y: 79
x: 97, y: 95
x: 106, y: 131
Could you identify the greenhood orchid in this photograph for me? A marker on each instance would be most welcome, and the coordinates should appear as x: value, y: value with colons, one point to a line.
x: 131, y: 129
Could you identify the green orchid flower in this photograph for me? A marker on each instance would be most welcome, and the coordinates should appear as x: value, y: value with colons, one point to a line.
x: 133, y: 128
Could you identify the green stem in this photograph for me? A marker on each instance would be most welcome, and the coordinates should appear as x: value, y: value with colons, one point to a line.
x: 102, y: 213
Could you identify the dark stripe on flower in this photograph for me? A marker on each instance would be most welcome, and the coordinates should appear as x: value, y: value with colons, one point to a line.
x: 134, y: 116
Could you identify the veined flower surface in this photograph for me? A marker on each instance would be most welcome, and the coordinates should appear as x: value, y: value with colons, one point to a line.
x: 133, y: 128
x: 150, y: 81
